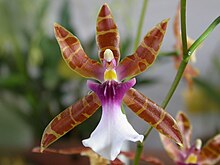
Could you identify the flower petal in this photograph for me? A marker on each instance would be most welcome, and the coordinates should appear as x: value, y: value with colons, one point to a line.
x: 74, y: 55
x: 210, y: 153
x: 171, y: 148
x: 69, y: 118
x: 185, y: 128
x: 145, y: 54
x: 107, y: 35
x: 153, y: 114
x: 113, y: 128
x: 111, y: 132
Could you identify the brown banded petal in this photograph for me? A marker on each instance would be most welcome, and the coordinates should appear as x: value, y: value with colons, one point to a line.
x: 145, y: 54
x: 69, y: 118
x: 153, y: 114
x: 210, y: 153
x: 171, y: 148
x: 185, y: 128
x: 74, y: 55
x: 107, y: 35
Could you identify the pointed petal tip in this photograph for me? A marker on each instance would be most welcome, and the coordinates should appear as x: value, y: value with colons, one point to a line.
x: 104, y: 11
x: 130, y: 83
x: 42, y: 149
x: 105, y: 6
x: 56, y: 24
x: 166, y: 20
x: 133, y: 81
x: 164, y: 24
x: 42, y: 144
x: 139, y: 138
x: 55, y: 27
x: 180, y: 144
x: 92, y: 85
x: 59, y: 31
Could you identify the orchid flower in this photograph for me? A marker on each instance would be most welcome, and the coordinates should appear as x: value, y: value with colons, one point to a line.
x: 190, y: 72
x: 195, y: 154
x: 110, y: 89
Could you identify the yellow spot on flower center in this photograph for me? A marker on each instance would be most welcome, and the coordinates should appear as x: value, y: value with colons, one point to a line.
x: 110, y: 75
x: 192, y: 158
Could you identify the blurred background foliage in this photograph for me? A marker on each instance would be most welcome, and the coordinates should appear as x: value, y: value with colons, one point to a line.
x: 34, y: 80
x: 36, y: 84
x: 205, y: 97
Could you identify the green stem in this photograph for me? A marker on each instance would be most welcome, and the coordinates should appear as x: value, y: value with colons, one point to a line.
x: 139, y: 149
x: 140, y: 24
x: 204, y: 35
x: 183, y: 27
x: 171, y: 53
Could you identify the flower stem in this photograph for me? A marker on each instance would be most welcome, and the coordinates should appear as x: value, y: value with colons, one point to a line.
x: 140, y: 145
x: 183, y: 27
x: 204, y: 35
x: 140, y: 24
x: 139, y: 150
x: 169, y: 54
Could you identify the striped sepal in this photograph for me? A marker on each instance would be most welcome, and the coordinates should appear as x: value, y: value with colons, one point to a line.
x: 69, y: 118
x: 210, y: 153
x: 153, y: 114
x: 107, y: 35
x: 74, y: 55
x: 145, y: 54
x: 185, y: 128
x: 171, y: 148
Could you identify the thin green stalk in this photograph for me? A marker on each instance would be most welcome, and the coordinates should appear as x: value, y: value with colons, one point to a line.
x: 140, y: 24
x: 139, y: 149
x: 171, y: 53
x: 204, y: 35
x: 183, y: 27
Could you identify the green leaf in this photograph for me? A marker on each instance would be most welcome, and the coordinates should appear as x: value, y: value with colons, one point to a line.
x: 12, y: 81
